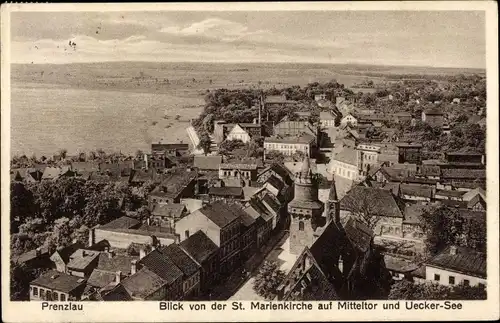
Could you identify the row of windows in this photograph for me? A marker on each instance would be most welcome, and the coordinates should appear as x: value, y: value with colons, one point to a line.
x: 48, y: 295
x: 451, y: 280
x: 287, y: 146
x: 191, y: 281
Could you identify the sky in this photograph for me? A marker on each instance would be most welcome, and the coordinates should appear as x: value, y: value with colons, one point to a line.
x: 413, y: 38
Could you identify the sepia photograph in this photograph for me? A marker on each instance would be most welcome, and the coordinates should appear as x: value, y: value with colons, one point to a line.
x: 246, y: 155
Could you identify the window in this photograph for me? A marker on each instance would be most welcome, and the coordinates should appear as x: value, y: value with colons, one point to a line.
x: 49, y: 295
x: 451, y: 280
x: 186, y: 233
x: 35, y: 291
x: 63, y: 297
x: 301, y: 225
x: 437, y: 277
x: 466, y: 282
x: 55, y: 295
x: 42, y: 293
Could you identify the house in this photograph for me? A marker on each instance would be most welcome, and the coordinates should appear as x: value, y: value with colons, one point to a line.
x: 120, y: 233
x: 416, y: 192
x: 459, y: 158
x: 345, y: 164
x: 205, y: 252
x: 277, y: 101
x: 237, y: 173
x: 434, y: 117
x: 221, y: 223
x: 227, y: 194
x: 331, y: 268
x: 53, y: 173
x: 177, y: 149
x: 367, y: 156
x: 36, y: 258
x: 457, y: 265
x: 82, y: 262
x: 238, y: 133
x: 248, y: 239
x: 178, y: 184
x: 263, y: 220
x: 290, y: 145
x: 468, y: 196
x: 166, y: 215
x: 83, y: 167
x: 409, y: 153
x: 327, y: 119
x: 140, y: 176
x: 156, y: 162
x: 191, y: 270
x: 349, y: 118
x: 171, y: 277
x: 295, y: 128
x: 453, y: 176
x: 319, y: 96
x: 29, y: 175
x: 402, y: 116
x: 429, y: 171
x: 61, y: 257
x: 56, y: 286
x: 207, y: 163
x: 277, y: 170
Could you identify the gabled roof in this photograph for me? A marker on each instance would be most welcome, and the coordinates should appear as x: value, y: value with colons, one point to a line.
x: 273, y: 204
x: 59, y: 281
x: 82, y: 259
x: 51, y: 173
x: 476, y: 199
x: 199, y: 246
x: 317, y: 287
x: 219, y: 213
x: 123, y: 222
x: 256, y: 209
x: 381, y: 202
x: 465, y: 260
x: 358, y: 233
x: 181, y: 259
x: 85, y: 166
x: 31, y: 255
x: 465, y: 173
x: 450, y: 193
x: 275, y: 182
x: 114, y: 263
x: 101, y: 279
x: 207, y: 162
x: 429, y: 170
x: 470, y: 194
x: 226, y: 191
x: 143, y: 283
x: 348, y: 156
x: 162, y: 266
x: 66, y: 252
x: 169, y: 210
x: 416, y: 190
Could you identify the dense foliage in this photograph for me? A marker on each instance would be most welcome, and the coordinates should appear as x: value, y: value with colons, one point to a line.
x: 445, y: 226
x: 56, y: 212
x: 407, y: 290
x: 268, y: 280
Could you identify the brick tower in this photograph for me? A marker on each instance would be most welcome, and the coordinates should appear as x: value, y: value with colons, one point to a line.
x: 305, y: 209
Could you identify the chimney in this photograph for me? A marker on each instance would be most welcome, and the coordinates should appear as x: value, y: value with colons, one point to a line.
x: 453, y: 250
x: 118, y: 277
x: 341, y: 264
x: 38, y: 251
x: 142, y: 253
x: 146, y: 161
x: 84, y: 253
x: 148, y: 221
x: 133, y: 267
x: 91, y: 236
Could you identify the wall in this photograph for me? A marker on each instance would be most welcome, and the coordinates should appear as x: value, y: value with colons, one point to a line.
x: 345, y: 170
x: 198, y: 221
x: 38, y: 297
x: 122, y: 240
x: 445, y: 274
x: 287, y: 148
x: 300, y: 238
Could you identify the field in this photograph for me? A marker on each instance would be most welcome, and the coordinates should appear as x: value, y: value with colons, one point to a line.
x: 127, y: 105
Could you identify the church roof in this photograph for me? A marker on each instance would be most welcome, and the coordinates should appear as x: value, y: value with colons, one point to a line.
x: 332, y: 196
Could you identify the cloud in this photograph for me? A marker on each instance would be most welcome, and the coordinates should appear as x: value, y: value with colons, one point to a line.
x: 215, y: 28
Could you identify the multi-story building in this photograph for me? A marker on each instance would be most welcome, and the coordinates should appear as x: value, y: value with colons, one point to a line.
x: 290, y: 145
x: 238, y: 174
x: 57, y: 286
x: 222, y: 224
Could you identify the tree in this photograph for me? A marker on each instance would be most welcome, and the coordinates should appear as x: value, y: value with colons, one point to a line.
x: 228, y: 146
x: 205, y: 143
x: 268, y: 279
x: 363, y: 206
x: 275, y: 156
x: 407, y: 290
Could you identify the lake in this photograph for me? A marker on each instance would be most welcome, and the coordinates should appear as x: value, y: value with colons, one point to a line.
x: 46, y: 118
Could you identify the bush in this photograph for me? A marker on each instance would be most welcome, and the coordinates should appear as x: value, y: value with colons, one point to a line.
x: 268, y: 279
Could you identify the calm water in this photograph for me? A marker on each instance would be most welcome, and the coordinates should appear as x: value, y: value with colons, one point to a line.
x: 47, y: 119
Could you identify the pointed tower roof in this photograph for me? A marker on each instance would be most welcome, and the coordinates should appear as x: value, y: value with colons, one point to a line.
x: 332, y: 196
